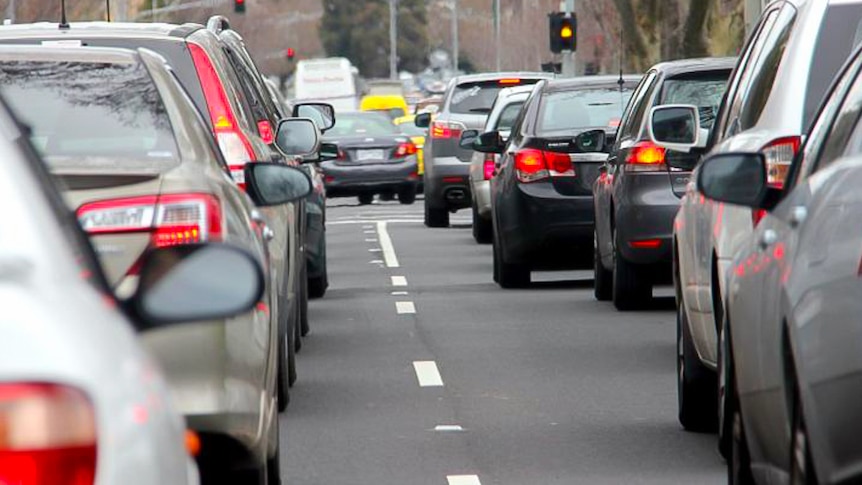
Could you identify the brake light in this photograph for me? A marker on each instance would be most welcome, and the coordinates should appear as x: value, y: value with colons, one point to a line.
x: 532, y: 165
x: 47, y: 435
x: 445, y: 129
x: 509, y: 82
x: 779, y: 155
x: 264, y: 129
x: 233, y: 143
x: 489, y: 166
x: 645, y: 156
x: 172, y: 219
x: 645, y: 244
x: 342, y: 155
x: 757, y: 215
x: 405, y: 149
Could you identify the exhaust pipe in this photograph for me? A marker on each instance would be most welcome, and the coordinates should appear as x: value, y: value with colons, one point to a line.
x: 456, y: 194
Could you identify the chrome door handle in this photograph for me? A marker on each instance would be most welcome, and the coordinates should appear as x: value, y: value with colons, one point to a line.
x: 267, y: 233
x: 768, y: 238
x: 798, y: 215
x: 257, y: 217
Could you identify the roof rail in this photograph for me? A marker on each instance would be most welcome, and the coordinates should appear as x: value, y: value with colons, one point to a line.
x: 218, y: 24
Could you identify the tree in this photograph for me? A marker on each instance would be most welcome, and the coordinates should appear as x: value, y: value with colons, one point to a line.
x: 360, y: 32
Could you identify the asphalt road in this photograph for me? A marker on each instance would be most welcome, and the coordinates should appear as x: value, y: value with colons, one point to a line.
x: 480, y: 385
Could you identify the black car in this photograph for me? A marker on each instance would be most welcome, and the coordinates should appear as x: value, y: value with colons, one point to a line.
x: 638, y: 192
x: 374, y: 157
x: 542, y: 203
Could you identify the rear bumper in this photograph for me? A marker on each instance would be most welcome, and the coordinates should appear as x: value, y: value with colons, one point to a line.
x: 482, y: 196
x: 645, y: 210
x: 541, y: 227
x: 347, y: 181
x: 447, y: 183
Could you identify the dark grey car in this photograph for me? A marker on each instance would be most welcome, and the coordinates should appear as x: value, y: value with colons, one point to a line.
x: 466, y: 105
x: 637, y: 194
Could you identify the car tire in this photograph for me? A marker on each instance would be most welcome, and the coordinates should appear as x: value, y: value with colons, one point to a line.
x: 436, y: 217
x: 509, y: 275
x: 273, y: 463
x: 801, y: 463
x: 631, y: 291
x: 496, y: 261
x: 286, y: 362
x: 365, y: 199
x: 696, y: 383
x: 483, y: 230
x: 297, y: 327
x: 725, y: 387
x: 317, y: 285
x: 738, y: 458
x: 303, y: 304
x: 602, y: 278
x: 407, y: 195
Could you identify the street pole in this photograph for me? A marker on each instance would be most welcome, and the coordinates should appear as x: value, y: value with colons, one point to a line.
x: 455, y: 33
x: 393, y: 39
x: 122, y: 11
x: 10, y: 11
x: 497, y: 33
x: 569, y: 56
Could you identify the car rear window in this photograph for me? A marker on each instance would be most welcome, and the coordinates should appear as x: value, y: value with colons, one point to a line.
x: 368, y: 124
x: 478, y: 97
x: 599, y: 107
x: 88, y: 109
x: 840, y: 33
x: 704, y: 91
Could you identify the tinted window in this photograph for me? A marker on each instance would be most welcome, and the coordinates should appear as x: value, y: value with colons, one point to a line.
x: 78, y: 109
x: 704, y: 91
x: 478, y: 98
x: 840, y: 33
x: 362, y: 125
x: 583, y: 108
x: 508, y: 116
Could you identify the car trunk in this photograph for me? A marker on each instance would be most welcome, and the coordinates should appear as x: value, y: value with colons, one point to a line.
x: 680, y: 166
x: 586, y: 166
x: 369, y: 151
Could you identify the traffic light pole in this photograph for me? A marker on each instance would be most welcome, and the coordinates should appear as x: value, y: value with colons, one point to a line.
x: 569, y: 56
x: 393, y: 39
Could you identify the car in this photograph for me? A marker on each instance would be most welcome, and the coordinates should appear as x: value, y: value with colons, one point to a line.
x: 374, y: 157
x: 788, y: 360
x: 81, y: 398
x: 466, y: 105
x: 141, y: 170
x: 392, y: 105
x: 768, y: 107
x: 638, y: 191
x: 541, y: 194
x: 505, y: 110
x: 210, y: 71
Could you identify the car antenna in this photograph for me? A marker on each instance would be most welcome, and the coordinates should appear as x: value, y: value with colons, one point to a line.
x: 64, y: 24
x: 621, y: 81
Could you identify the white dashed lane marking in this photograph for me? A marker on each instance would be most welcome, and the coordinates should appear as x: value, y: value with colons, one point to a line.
x: 463, y: 480
x: 427, y: 373
x: 399, y: 281
x: 400, y: 293
x: 386, y: 244
x: 405, y: 307
x: 448, y: 427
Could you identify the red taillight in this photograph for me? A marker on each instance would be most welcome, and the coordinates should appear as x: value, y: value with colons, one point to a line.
x: 264, y: 129
x: 489, y: 166
x: 532, y: 165
x: 645, y: 157
x: 173, y: 218
x: 47, y: 435
x: 233, y: 143
x: 405, y: 149
x: 779, y: 154
x: 757, y: 215
x: 645, y: 244
x: 342, y: 155
x: 445, y: 129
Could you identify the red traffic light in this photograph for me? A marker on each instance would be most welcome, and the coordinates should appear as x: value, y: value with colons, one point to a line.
x: 239, y: 6
x: 290, y: 53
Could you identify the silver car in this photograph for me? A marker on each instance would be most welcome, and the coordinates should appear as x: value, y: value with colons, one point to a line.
x: 505, y: 110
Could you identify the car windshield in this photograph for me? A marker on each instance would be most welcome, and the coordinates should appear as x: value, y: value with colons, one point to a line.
x: 362, y: 124
x: 582, y: 108
x: 705, y: 92
x: 87, y: 109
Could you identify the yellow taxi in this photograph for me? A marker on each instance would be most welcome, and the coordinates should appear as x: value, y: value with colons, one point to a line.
x: 417, y: 135
x: 394, y: 105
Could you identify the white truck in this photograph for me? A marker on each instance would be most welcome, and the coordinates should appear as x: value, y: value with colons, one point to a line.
x: 331, y: 80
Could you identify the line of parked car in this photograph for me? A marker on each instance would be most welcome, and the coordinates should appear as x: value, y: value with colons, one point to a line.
x: 177, y: 178
x: 736, y: 180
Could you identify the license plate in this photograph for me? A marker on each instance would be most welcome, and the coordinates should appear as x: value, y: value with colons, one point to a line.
x: 369, y: 155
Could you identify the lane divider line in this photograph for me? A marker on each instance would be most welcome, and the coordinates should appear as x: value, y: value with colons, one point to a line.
x: 463, y: 480
x: 405, y: 307
x: 386, y: 244
x: 399, y: 281
x: 374, y: 250
x: 400, y: 293
x: 427, y: 373
x: 376, y: 261
x: 448, y: 427
x: 371, y: 239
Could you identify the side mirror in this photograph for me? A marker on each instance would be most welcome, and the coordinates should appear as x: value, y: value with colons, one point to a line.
x: 422, y: 120
x: 195, y: 282
x: 676, y: 127
x: 298, y: 137
x: 468, y: 137
x: 270, y: 183
x: 328, y: 151
x: 734, y: 178
x: 323, y: 114
x: 592, y: 141
x: 489, y: 142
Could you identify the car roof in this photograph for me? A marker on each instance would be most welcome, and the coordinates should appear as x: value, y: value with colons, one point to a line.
x: 69, y: 54
x: 703, y: 64
x: 84, y: 29
x: 556, y: 85
x: 495, y: 76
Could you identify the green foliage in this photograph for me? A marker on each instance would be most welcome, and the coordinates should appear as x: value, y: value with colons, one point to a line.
x: 359, y: 31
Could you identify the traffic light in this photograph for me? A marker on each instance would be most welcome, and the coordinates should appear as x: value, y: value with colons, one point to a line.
x: 239, y: 6
x: 290, y: 53
x: 564, y: 32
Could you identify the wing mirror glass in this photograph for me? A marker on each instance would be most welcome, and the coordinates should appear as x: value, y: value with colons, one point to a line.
x: 468, y: 137
x: 592, y: 141
x: 274, y: 183
x: 322, y: 114
x: 489, y: 142
x: 298, y: 138
x: 734, y: 178
x: 422, y: 120
x: 191, y: 283
x: 676, y: 127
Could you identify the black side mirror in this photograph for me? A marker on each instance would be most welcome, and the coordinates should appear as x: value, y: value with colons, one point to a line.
x: 275, y: 183
x: 422, y: 120
x: 489, y: 142
x: 592, y: 141
x: 298, y: 137
x: 195, y: 282
x: 734, y: 178
x: 468, y: 137
x: 328, y: 151
x: 323, y: 114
